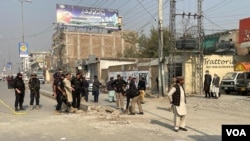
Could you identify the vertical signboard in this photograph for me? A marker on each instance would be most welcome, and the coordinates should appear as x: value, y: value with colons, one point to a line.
x: 23, y: 49
x: 87, y: 16
x: 9, y: 65
x: 244, y: 32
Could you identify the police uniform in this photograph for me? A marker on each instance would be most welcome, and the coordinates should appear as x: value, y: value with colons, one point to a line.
x: 19, y: 88
x: 34, y: 85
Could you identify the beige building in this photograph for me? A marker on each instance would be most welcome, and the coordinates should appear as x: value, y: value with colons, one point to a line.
x: 39, y: 60
x: 70, y: 46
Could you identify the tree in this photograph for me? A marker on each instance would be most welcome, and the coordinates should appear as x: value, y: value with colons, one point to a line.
x: 141, y: 46
x: 131, y: 40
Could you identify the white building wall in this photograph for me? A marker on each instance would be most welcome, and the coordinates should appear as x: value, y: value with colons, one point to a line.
x: 104, y: 64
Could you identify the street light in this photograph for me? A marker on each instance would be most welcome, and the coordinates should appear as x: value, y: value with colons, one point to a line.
x: 24, y: 61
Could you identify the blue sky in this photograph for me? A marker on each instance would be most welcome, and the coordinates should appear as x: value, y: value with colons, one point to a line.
x: 138, y: 15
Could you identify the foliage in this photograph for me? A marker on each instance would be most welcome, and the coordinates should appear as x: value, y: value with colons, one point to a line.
x: 141, y: 46
x: 131, y: 39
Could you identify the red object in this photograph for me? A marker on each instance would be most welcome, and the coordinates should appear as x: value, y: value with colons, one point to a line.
x: 244, y: 30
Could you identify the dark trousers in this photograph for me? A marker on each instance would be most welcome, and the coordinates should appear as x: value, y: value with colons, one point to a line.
x: 59, y: 101
x: 34, y: 94
x: 76, y: 98
x: 85, y: 94
x: 207, y: 94
x: 207, y: 90
x: 19, y: 99
x: 128, y: 102
x: 96, y: 95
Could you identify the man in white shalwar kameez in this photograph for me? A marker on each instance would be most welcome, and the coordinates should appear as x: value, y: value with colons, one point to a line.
x: 177, y: 98
x: 68, y: 90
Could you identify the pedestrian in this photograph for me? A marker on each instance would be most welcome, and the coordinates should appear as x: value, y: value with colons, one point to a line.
x: 96, y: 88
x: 11, y: 81
x: 34, y: 86
x: 157, y: 83
x: 111, y: 90
x: 216, y: 85
x: 177, y: 98
x: 207, y: 83
x: 76, y: 84
x: 8, y: 81
x: 58, y: 88
x: 119, y: 84
x: 126, y: 94
x: 19, y: 88
x: 68, y: 93
x: 142, y: 88
x: 85, y: 89
x: 135, y: 96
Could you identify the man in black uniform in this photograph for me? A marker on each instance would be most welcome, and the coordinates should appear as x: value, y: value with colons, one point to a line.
x: 34, y: 85
x: 119, y: 85
x: 142, y: 88
x: 59, y: 92
x: 76, y: 84
x: 207, y: 83
x: 85, y: 91
x: 19, y: 88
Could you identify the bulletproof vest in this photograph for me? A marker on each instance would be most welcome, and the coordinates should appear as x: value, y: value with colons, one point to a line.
x: 19, y: 84
x: 34, y: 83
x: 77, y: 83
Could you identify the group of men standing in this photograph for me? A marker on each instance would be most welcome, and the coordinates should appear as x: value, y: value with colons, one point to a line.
x: 19, y: 88
x: 69, y: 90
x: 215, y: 82
x: 118, y: 89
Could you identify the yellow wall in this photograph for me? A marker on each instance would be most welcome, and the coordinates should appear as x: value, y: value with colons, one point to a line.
x: 214, y: 63
x: 218, y: 64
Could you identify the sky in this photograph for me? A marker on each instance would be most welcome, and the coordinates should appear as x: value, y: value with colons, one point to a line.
x: 138, y: 15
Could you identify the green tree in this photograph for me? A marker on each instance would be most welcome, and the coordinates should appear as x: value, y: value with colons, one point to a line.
x: 142, y: 46
x: 131, y: 40
x: 153, y: 43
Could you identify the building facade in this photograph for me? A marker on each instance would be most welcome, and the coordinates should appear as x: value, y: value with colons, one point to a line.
x: 70, y: 47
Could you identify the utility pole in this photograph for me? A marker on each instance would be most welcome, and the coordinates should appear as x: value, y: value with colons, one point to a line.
x: 24, y: 60
x: 161, y: 78
x: 172, y: 30
x: 200, y: 39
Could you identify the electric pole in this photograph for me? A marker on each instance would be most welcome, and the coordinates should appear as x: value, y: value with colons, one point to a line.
x: 161, y: 72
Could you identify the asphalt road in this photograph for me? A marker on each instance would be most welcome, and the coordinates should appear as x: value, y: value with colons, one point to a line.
x: 204, y: 120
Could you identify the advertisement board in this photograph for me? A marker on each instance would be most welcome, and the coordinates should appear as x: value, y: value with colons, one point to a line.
x: 79, y: 16
x: 244, y: 32
x: 134, y: 74
x: 23, y: 49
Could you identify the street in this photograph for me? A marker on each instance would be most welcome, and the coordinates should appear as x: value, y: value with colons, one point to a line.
x: 204, y: 120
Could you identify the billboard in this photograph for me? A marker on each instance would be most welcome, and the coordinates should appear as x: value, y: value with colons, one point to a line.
x: 86, y: 16
x: 244, y: 32
x: 23, y: 49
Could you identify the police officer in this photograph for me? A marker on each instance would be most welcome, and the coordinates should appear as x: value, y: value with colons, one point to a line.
x: 59, y: 92
x: 34, y: 85
x: 19, y: 88
x: 76, y: 84
x: 85, y: 91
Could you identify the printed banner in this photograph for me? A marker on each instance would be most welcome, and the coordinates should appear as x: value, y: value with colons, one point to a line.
x: 137, y: 74
x: 86, y: 16
x: 23, y: 49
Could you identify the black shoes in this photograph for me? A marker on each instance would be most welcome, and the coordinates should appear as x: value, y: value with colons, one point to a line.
x: 180, y: 128
x: 141, y: 113
x: 183, y: 129
x: 16, y: 109
x: 132, y: 114
x: 21, y: 108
